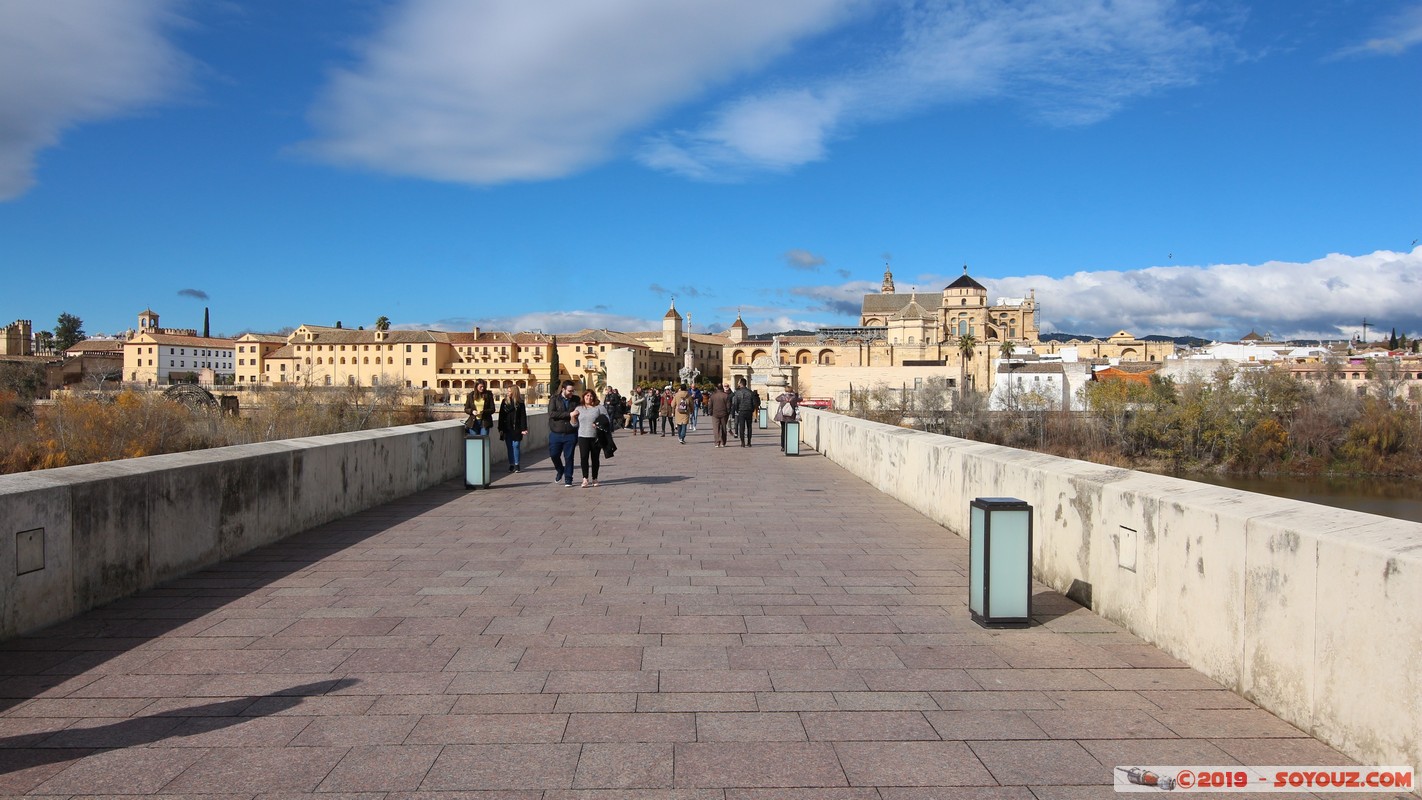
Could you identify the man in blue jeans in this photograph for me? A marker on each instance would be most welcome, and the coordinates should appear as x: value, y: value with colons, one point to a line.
x: 562, y: 433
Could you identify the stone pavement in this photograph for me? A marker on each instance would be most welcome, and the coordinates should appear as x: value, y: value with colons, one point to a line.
x: 706, y: 625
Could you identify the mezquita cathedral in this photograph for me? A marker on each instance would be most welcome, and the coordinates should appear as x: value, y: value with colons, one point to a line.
x: 904, y: 338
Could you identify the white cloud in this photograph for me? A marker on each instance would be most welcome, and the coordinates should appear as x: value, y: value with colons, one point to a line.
x: 799, y: 258
x: 1325, y: 298
x: 1069, y: 62
x: 68, y: 62
x: 551, y: 322
x: 504, y: 90
x: 1395, y: 36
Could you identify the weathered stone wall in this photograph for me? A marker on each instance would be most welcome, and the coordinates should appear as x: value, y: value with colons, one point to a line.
x: 77, y: 537
x: 1311, y: 612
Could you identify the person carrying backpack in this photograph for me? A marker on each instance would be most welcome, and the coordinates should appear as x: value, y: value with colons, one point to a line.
x: 787, y: 410
x: 681, y: 412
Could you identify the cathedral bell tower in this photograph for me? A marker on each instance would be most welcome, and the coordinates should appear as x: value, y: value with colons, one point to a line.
x: 671, y: 330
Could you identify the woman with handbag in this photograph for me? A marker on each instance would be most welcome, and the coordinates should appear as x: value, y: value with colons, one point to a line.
x: 513, y: 425
x: 479, y: 405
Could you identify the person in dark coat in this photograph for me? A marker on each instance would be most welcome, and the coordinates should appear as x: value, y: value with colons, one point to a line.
x: 744, y: 404
x: 479, y: 405
x: 719, y: 402
x: 513, y: 425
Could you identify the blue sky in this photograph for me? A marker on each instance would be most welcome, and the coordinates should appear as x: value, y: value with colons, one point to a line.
x: 1199, y: 167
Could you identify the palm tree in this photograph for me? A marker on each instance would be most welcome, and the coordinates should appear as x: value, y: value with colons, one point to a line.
x: 382, y: 323
x: 966, y: 343
x: 1007, y: 350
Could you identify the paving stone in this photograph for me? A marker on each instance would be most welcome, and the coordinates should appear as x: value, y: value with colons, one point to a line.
x: 912, y: 764
x: 381, y: 769
x: 761, y: 764
x: 624, y: 766
x: 634, y: 727
x: 257, y: 769
x: 749, y: 727
x: 1020, y: 763
x: 867, y: 726
x: 509, y: 766
x: 984, y: 724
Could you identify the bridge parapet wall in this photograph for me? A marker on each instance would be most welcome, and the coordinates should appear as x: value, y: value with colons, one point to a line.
x: 74, y: 538
x: 1311, y: 612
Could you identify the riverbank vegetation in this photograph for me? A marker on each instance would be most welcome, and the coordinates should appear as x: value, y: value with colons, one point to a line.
x: 106, y: 426
x: 1260, y: 421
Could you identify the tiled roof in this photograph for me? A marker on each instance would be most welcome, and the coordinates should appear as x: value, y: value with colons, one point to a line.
x: 885, y: 303
x: 1048, y: 368
x: 966, y: 282
x: 349, y: 336
x: 912, y: 311
x: 183, y: 341
x: 605, y: 336
x: 482, y: 337
x: 97, y: 346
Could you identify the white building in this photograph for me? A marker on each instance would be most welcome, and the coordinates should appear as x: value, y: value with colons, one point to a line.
x: 152, y: 358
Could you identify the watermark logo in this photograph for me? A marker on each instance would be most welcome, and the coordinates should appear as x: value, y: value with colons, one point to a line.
x: 1261, y: 779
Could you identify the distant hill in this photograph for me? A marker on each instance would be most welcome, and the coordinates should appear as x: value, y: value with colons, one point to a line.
x: 765, y: 337
x: 1188, y: 341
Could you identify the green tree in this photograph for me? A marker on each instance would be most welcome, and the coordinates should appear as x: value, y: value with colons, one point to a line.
x: 966, y: 344
x: 68, y: 331
x: 382, y: 323
x: 44, y: 341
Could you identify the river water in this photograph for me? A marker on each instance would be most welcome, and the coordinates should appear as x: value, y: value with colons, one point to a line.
x: 1388, y: 498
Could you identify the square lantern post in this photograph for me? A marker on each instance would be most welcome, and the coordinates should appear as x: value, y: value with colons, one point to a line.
x: 477, y: 472
x: 790, y: 437
x: 1000, y: 562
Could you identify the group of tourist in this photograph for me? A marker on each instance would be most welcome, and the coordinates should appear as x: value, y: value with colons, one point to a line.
x: 585, y: 424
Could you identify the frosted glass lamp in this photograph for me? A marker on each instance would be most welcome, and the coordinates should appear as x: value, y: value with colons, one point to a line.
x: 1000, y: 562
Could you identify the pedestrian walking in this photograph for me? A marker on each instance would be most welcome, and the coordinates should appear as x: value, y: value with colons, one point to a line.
x: 513, y: 425
x: 586, y: 417
x: 681, y: 412
x: 718, y: 402
x: 744, y: 404
x: 562, y: 433
x: 665, y: 410
x: 649, y: 410
x: 634, y: 413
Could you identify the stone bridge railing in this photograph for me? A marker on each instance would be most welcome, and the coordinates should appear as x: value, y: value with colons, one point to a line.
x: 77, y: 537
x: 1311, y: 612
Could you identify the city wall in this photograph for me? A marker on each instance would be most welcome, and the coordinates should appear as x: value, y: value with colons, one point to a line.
x: 1312, y: 613
x: 74, y: 538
